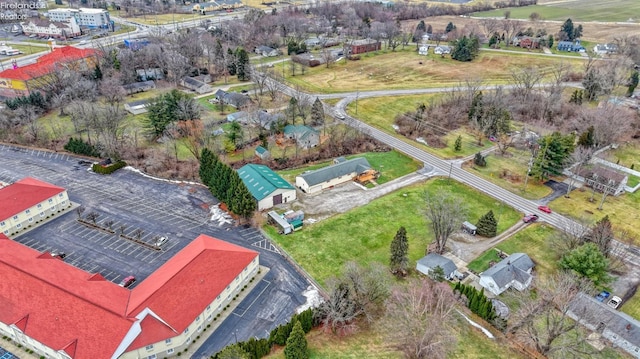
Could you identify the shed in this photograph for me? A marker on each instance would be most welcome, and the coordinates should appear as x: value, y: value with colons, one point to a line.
x: 283, y: 226
x: 432, y: 260
x: 262, y: 153
x: 297, y: 224
x: 266, y: 186
x: 469, y: 228
x: 137, y: 107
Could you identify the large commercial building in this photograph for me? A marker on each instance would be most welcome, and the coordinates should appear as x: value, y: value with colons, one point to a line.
x: 27, y: 202
x: 60, y: 311
x: 51, y: 29
x: 92, y: 18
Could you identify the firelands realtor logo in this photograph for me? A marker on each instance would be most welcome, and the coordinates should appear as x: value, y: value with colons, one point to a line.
x: 17, y: 10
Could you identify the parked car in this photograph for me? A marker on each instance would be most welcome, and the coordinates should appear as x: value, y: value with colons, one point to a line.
x: 530, y: 218
x: 60, y: 255
x: 128, y: 281
x: 614, y: 302
x: 602, y: 296
x: 544, y: 209
x: 160, y: 241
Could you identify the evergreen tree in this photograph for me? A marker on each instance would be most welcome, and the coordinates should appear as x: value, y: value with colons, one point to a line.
x: 550, y: 41
x: 479, y: 160
x: 97, y: 72
x: 242, y: 64
x: 296, y: 344
x: 554, y: 151
x: 457, y: 146
x: 437, y: 274
x: 421, y: 26
x: 317, y: 113
x: 465, y: 48
x: 567, y: 30
x: 450, y: 27
x: 231, y: 62
x: 429, y: 29
x: 587, y: 138
x: 633, y: 83
x: 588, y: 261
x: 234, y: 351
x: 399, y: 261
x: 487, y: 225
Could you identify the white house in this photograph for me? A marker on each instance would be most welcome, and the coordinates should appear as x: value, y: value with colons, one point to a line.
x: 617, y: 327
x: 513, y: 271
x: 423, y: 50
x: 442, y: 50
x: 327, y: 177
x: 429, y: 262
x: 266, y: 51
x: 56, y: 29
x: 266, y: 186
x: 29, y: 201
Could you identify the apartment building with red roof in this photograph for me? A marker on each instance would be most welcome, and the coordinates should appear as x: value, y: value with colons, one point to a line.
x: 62, y: 312
x: 28, y: 202
x: 23, y: 80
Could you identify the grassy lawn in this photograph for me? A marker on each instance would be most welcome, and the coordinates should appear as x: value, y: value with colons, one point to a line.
x: 509, y: 172
x: 365, y: 233
x: 628, y: 154
x: 405, y: 69
x: 28, y: 50
x: 583, y: 10
x: 381, y: 113
x: 622, y: 210
x: 633, y: 181
x: 162, y: 19
x: 391, y: 165
x: 632, y: 306
x: 534, y: 240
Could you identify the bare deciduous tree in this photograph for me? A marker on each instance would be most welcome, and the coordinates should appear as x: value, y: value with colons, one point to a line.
x: 413, y: 310
x: 445, y: 214
x: 525, y: 80
x: 580, y: 156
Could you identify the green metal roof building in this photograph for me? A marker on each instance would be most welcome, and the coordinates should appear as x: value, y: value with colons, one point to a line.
x: 266, y: 186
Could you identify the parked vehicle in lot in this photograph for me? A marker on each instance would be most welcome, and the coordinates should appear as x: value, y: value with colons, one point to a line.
x: 60, y: 255
x: 614, y: 302
x: 544, y: 209
x: 602, y: 296
x: 530, y: 218
x: 160, y: 241
x: 128, y: 281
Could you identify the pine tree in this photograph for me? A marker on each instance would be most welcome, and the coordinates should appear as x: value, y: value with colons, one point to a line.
x: 242, y: 64
x: 450, y: 27
x: 399, y: 261
x: 458, y: 144
x: 487, y: 225
x: 317, y: 113
x: 296, y: 344
x: 479, y: 160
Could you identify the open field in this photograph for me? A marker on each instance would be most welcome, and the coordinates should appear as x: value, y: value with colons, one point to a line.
x: 381, y: 112
x: 535, y: 240
x: 26, y: 49
x: 509, y: 172
x: 391, y: 165
x: 632, y: 306
x: 365, y: 233
x: 622, y: 210
x: 627, y: 153
x: 405, y: 69
x: 582, y: 10
x: 162, y: 19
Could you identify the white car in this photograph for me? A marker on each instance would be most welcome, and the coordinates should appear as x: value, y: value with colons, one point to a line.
x: 83, y: 42
x: 614, y: 302
x: 160, y: 241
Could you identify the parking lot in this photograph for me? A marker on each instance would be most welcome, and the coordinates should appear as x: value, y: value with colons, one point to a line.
x: 157, y: 208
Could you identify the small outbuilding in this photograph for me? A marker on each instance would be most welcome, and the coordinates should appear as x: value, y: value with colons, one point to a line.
x: 469, y: 228
x: 429, y: 262
x: 262, y: 153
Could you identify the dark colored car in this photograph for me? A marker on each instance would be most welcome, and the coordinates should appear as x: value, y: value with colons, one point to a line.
x: 530, y: 218
x: 544, y: 209
x: 128, y: 281
x: 602, y: 296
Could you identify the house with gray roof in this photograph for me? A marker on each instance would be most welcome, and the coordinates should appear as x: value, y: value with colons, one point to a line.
x: 266, y: 186
x: 137, y: 107
x: 240, y: 116
x: 139, y: 87
x: 333, y: 175
x: 429, y: 262
x: 234, y: 99
x: 305, y: 136
x: 195, y: 84
x: 617, y: 327
x: 266, y: 120
x: 266, y: 51
x: 513, y: 271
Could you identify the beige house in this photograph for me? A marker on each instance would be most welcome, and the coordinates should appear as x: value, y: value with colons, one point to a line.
x: 27, y: 202
x: 57, y: 29
x: 340, y: 172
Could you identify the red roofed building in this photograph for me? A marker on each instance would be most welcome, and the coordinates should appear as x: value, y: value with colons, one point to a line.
x: 60, y: 311
x: 23, y: 80
x: 28, y: 202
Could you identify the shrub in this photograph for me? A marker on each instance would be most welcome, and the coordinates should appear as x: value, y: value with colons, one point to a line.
x: 82, y: 148
x: 179, y: 353
x: 105, y: 170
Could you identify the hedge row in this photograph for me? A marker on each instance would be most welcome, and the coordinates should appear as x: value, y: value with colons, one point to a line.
x: 82, y: 148
x: 105, y: 170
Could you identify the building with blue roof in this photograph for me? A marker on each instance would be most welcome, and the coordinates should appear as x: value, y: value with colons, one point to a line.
x: 266, y: 186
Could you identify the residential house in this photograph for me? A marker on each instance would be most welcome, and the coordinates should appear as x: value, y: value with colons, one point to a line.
x: 91, y: 18
x: 617, y: 327
x: 27, y: 202
x: 262, y: 153
x: 137, y: 87
x: 196, y: 85
x: 240, y: 116
x: 266, y: 186
x: 428, y: 263
x: 423, y: 49
x: 312, y: 42
x: 267, y: 120
x: 234, y: 99
x: 155, y: 73
x: 204, y: 8
x: 569, y: 46
x: 21, y: 81
x: 442, y: 50
x: 266, y: 51
x: 604, y: 178
x: 605, y: 49
x: 51, y: 29
x: 330, y: 176
x: 513, y: 271
x: 137, y: 107
x: 305, y: 136
x: 528, y: 42
x: 60, y: 311
x: 362, y: 46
